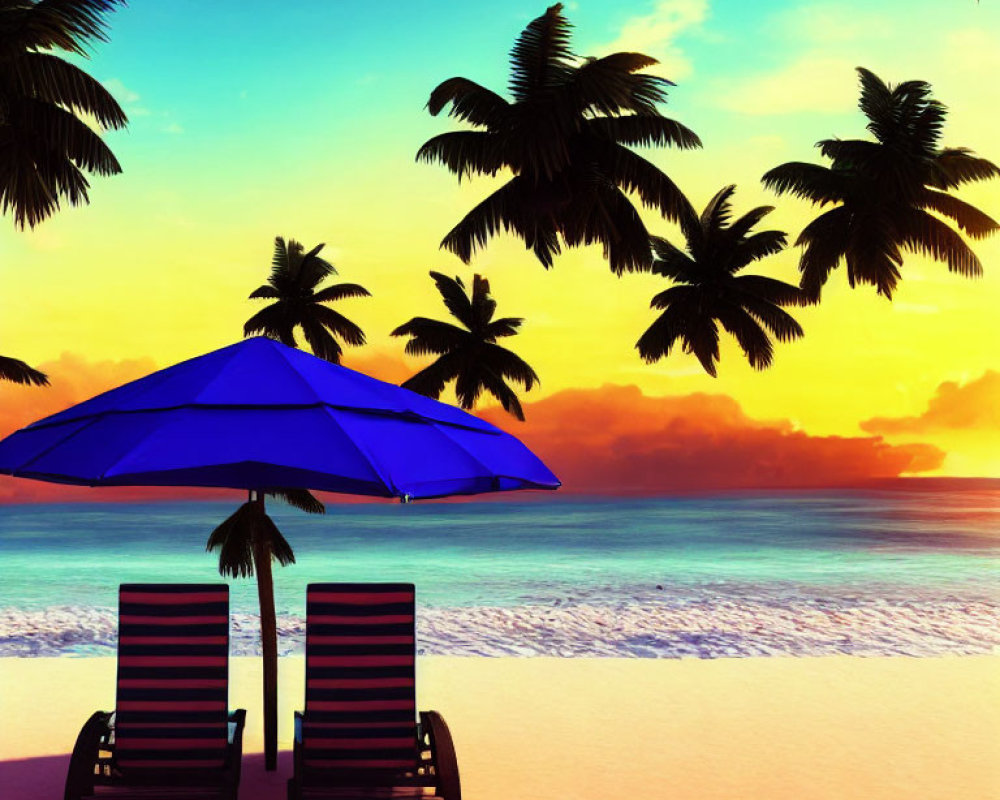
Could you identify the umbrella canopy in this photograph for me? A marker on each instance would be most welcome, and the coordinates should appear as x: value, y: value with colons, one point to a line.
x: 259, y: 415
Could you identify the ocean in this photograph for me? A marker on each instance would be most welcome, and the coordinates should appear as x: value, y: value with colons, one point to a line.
x: 751, y: 574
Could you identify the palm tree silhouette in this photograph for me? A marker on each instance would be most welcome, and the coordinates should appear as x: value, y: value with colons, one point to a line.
x: 11, y: 369
x: 884, y: 192
x: 566, y: 138
x: 470, y: 356
x: 292, y: 285
x: 709, y: 291
x: 45, y: 146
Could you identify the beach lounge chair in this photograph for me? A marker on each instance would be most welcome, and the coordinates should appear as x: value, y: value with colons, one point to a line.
x: 359, y: 735
x: 171, y: 732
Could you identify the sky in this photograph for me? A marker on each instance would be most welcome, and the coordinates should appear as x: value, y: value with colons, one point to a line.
x: 249, y: 121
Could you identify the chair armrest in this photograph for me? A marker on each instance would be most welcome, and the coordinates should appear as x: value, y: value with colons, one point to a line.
x: 448, y: 785
x: 237, y: 722
x: 82, y: 764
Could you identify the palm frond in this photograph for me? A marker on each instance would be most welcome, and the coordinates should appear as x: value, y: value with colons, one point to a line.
x: 741, y: 227
x: 825, y: 241
x: 954, y: 166
x: 752, y: 339
x: 969, y: 218
x: 875, y: 103
x: 452, y: 291
x: 302, y: 499
x: 470, y: 102
x: 608, y: 86
x: 264, y: 292
x: 431, y: 336
x: 771, y: 290
x: 16, y: 371
x: 431, y: 380
x: 340, y: 291
x: 672, y: 262
x: 233, y: 538
x: 929, y: 236
x: 337, y: 323
x: 782, y: 325
x: 320, y: 341
x: 64, y: 24
x: 541, y: 57
x: 660, y: 338
x: 464, y: 153
x: 46, y: 77
x: 505, y: 326
x: 273, y: 323
x: 632, y: 173
x: 509, y: 365
x: 497, y: 212
x: 758, y: 246
x: 483, y: 305
x: 719, y: 209
x: 817, y: 184
x: 643, y: 130
x: 495, y: 385
x: 61, y: 132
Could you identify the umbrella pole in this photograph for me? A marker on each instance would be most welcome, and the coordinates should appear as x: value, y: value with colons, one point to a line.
x: 268, y: 640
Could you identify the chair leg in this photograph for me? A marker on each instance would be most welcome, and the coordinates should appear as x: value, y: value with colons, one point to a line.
x: 80, y: 776
x: 443, y: 754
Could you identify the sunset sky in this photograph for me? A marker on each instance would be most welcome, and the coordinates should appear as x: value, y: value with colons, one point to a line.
x: 249, y: 121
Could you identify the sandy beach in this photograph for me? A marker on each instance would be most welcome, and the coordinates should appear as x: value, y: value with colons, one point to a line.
x: 808, y: 728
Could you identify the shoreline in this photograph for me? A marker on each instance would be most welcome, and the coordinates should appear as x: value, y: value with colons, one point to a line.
x: 779, y: 728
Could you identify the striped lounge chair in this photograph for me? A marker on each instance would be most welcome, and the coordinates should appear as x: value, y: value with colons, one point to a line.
x: 171, y: 732
x: 359, y: 735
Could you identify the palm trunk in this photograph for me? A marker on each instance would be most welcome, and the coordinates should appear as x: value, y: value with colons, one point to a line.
x: 268, y: 640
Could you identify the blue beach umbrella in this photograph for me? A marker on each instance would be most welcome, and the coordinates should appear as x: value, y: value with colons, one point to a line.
x: 260, y: 416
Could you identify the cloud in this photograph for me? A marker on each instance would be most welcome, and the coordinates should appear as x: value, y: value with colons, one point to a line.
x: 812, y: 83
x: 954, y: 406
x: 612, y: 440
x: 656, y: 33
x: 126, y: 97
x: 381, y: 364
x: 120, y: 91
x: 73, y: 380
x: 615, y: 440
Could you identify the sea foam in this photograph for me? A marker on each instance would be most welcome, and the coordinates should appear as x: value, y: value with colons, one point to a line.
x: 724, y: 627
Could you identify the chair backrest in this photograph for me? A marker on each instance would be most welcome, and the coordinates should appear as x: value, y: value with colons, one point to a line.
x: 173, y: 676
x: 360, y: 697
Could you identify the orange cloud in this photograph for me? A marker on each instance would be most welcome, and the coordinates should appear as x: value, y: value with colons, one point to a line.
x: 73, y: 380
x: 954, y: 406
x: 615, y: 440
x: 612, y: 440
x: 384, y: 365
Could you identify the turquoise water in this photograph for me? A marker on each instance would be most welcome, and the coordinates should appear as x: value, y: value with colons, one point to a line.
x: 757, y: 552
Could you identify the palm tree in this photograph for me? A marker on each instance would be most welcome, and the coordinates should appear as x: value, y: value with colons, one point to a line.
x: 249, y: 541
x: 45, y: 145
x: 710, y: 292
x: 18, y: 372
x: 887, y: 192
x: 470, y: 356
x: 294, y: 278
x: 566, y: 138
